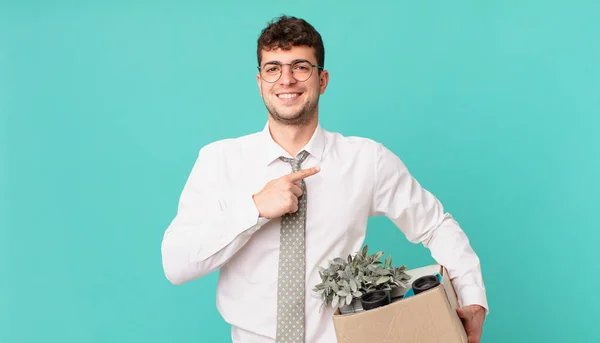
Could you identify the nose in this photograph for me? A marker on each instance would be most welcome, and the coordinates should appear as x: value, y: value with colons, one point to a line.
x: 287, y: 77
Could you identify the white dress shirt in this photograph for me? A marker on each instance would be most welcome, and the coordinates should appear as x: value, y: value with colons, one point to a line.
x: 217, y: 225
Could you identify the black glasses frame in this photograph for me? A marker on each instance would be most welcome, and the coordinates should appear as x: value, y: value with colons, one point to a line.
x: 318, y: 67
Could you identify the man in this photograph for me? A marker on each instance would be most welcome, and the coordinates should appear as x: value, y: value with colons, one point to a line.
x: 270, y: 207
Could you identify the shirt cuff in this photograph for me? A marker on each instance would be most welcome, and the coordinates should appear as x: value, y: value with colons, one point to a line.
x: 472, y: 295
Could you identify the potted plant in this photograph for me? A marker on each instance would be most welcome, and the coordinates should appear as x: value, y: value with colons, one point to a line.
x: 345, y: 281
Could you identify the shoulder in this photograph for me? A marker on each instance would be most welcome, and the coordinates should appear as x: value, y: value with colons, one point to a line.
x: 228, y: 147
x: 359, y: 144
x: 363, y: 149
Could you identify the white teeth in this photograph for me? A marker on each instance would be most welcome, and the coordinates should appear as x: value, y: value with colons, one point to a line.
x: 288, y: 95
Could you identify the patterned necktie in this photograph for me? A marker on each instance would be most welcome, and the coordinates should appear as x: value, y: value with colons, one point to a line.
x: 290, y: 297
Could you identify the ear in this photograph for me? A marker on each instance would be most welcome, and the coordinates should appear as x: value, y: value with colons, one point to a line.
x: 258, y: 81
x: 324, y: 81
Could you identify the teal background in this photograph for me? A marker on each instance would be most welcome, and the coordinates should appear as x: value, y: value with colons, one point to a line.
x: 494, y: 106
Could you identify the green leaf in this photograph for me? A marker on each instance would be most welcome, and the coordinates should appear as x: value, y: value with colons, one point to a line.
x: 335, y: 301
x: 353, y: 285
x: 342, y: 293
x: 365, y: 250
x: 383, y: 271
x: 382, y: 279
x: 349, y: 299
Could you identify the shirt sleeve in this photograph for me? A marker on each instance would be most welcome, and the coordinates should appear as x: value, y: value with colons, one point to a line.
x: 421, y: 217
x: 211, y: 224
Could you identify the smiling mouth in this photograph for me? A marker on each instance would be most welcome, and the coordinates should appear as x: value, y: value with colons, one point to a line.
x: 288, y: 96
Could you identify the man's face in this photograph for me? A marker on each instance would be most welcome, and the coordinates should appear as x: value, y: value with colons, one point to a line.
x: 288, y: 100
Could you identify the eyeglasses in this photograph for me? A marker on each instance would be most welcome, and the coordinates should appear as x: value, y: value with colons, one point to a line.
x: 301, y: 70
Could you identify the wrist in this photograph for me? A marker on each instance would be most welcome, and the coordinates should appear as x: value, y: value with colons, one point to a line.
x: 256, y: 204
x: 476, y: 308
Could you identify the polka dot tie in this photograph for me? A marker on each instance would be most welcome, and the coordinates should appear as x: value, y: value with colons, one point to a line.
x: 290, y: 297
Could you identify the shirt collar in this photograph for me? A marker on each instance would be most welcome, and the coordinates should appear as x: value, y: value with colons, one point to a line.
x: 272, y: 151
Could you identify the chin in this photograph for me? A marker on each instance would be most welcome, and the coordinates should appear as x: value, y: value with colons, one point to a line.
x: 301, y: 118
x: 289, y: 116
x: 299, y: 114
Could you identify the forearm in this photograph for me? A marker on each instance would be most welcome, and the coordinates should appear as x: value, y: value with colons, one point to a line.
x: 197, y: 244
x: 450, y: 247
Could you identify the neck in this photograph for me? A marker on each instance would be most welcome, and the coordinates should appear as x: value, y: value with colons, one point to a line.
x: 292, y: 138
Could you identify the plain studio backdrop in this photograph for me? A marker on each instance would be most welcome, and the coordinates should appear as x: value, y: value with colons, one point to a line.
x: 494, y: 106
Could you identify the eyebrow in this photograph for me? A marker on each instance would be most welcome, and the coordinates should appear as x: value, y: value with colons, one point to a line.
x: 291, y: 62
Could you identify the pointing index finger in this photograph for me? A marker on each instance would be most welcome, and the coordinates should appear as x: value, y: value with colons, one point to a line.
x: 302, y: 174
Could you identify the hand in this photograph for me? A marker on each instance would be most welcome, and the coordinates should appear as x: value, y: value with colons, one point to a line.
x: 472, y: 317
x: 280, y: 196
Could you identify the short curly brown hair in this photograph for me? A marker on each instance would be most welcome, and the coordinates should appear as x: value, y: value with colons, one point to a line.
x: 285, y: 32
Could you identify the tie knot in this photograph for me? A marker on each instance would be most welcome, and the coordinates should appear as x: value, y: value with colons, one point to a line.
x: 295, y: 162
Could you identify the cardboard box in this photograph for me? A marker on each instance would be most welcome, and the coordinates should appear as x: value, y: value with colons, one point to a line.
x: 428, y: 317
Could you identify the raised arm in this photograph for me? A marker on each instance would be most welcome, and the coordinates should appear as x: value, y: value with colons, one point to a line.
x: 215, y: 220
x: 212, y: 222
